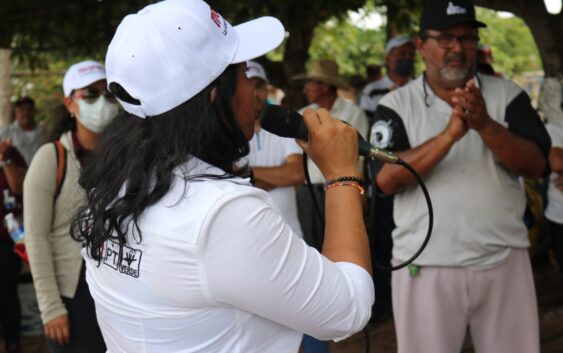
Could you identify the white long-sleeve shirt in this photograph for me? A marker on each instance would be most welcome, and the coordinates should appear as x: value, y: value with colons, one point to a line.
x: 218, y: 270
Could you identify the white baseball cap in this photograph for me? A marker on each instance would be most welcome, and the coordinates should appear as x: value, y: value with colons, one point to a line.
x: 82, y: 74
x: 254, y: 69
x: 396, y: 42
x: 169, y: 51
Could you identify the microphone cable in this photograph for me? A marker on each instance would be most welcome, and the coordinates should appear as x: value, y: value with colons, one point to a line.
x: 372, y: 174
x: 287, y: 123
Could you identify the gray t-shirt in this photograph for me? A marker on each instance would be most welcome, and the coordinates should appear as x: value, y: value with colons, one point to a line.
x: 26, y: 142
x: 478, y: 203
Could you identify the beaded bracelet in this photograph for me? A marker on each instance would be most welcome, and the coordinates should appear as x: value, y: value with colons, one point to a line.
x: 345, y: 178
x: 344, y: 183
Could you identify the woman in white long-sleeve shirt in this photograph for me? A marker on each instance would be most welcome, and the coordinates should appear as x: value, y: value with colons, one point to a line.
x: 182, y: 253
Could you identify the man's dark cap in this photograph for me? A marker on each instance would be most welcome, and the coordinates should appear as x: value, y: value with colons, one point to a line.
x: 24, y: 100
x: 442, y: 14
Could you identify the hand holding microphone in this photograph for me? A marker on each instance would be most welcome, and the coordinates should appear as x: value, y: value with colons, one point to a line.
x: 330, y: 143
x: 288, y: 123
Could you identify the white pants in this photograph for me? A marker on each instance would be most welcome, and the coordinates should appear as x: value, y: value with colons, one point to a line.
x: 433, y: 310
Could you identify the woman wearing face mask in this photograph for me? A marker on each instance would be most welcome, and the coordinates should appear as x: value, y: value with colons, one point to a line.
x: 51, y: 196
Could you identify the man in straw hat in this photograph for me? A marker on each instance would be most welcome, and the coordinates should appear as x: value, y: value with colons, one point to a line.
x: 321, y: 84
x: 471, y: 137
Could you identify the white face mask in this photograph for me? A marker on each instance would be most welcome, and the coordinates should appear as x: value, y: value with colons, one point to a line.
x: 96, y: 116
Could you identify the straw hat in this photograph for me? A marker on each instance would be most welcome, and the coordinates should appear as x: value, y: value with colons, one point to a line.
x: 324, y: 71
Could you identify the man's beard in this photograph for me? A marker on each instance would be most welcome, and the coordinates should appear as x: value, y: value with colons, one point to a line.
x: 457, y: 76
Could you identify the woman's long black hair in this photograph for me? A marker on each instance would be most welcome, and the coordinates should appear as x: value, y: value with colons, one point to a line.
x: 139, y: 156
x: 63, y: 122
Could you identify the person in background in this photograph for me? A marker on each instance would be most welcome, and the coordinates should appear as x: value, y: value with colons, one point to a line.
x: 18, y: 143
x: 470, y: 137
x: 10, y: 263
x: 182, y: 253
x: 554, y: 210
x: 399, y: 61
x: 276, y: 162
x: 373, y: 73
x: 485, y: 60
x: 24, y: 133
x: 320, y: 88
x: 66, y: 306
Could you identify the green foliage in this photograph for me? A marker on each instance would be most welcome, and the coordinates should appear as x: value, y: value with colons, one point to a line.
x: 353, y: 48
x: 350, y: 46
x: 404, y: 15
x: 52, y: 34
x: 45, y: 87
x: 514, y: 48
x: 292, y: 13
x: 39, y: 32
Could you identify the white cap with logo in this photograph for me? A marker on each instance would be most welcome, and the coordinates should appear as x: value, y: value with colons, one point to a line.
x: 169, y: 51
x: 82, y: 74
x: 254, y: 69
x: 396, y: 42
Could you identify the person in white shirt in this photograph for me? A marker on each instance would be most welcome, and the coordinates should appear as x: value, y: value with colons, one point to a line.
x: 320, y: 88
x: 24, y: 133
x: 399, y: 61
x: 182, y: 253
x: 554, y: 210
x: 470, y: 137
x: 321, y: 85
x: 276, y: 162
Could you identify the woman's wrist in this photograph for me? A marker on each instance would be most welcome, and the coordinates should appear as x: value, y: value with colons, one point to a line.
x: 345, y: 184
x: 346, y: 181
x: 339, y: 173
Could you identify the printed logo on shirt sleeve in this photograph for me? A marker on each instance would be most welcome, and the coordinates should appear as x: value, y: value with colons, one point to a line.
x: 130, y: 263
x: 381, y: 134
x: 388, y: 130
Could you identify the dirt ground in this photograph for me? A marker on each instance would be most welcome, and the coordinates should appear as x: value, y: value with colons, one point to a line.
x: 382, y: 335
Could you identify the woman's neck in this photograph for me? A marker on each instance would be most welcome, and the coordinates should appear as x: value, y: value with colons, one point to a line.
x: 87, y: 139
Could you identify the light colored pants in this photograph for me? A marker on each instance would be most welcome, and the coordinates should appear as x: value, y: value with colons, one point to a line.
x: 433, y: 310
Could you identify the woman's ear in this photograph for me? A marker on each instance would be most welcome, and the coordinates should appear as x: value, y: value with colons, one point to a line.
x: 71, y: 106
x: 213, y: 94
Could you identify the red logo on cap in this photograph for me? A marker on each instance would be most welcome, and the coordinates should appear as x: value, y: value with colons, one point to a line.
x: 216, y: 18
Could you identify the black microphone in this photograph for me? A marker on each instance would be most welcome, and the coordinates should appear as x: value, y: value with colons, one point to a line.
x: 285, y: 122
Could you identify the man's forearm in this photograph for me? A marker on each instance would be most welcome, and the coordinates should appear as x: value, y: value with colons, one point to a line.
x: 289, y: 173
x: 423, y: 159
x: 520, y: 155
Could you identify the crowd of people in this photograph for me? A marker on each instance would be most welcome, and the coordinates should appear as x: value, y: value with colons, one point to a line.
x: 160, y: 216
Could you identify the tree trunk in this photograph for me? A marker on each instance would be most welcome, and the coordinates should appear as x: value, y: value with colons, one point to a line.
x: 295, y: 56
x: 547, y: 31
x: 5, y: 87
